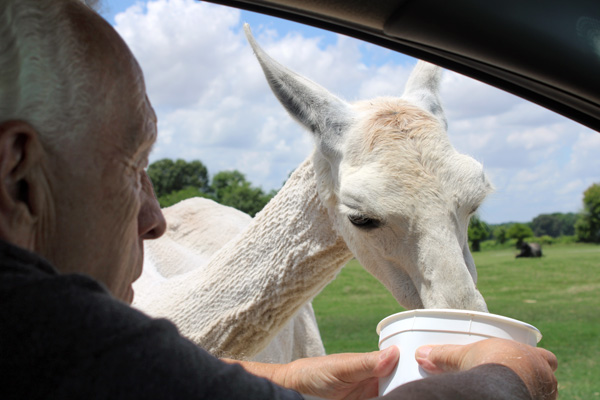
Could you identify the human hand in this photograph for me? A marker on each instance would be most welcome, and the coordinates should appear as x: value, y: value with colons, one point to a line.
x: 535, y: 366
x: 339, y: 376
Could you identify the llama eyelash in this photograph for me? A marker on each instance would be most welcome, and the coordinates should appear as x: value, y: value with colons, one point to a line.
x: 363, y: 222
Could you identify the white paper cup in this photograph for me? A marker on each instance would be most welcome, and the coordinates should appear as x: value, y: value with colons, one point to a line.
x: 411, y: 329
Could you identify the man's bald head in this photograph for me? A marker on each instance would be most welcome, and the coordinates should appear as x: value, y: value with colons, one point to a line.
x: 63, y: 68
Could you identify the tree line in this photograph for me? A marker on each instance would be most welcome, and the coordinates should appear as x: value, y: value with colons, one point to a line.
x: 581, y: 227
x: 176, y: 180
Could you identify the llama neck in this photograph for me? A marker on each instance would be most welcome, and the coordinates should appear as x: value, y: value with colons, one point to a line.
x: 256, y: 283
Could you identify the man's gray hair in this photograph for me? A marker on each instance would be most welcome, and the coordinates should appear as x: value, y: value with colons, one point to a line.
x: 44, y: 76
x: 94, y: 4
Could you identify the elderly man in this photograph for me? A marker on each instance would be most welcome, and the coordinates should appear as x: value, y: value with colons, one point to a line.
x: 76, y: 128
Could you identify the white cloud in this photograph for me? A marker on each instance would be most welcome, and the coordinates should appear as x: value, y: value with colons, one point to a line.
x: 585, y: 160
x: 214, y: 105
x: 386, y: 80
x: 465, y: 98
x: 182, y: 45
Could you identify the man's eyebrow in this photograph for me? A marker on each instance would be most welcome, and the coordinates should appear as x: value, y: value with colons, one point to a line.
x: 152, y: 138
x: 146, y: 146
x: 144, y: 135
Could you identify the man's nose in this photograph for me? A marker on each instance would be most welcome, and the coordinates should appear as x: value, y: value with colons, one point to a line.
x: 151, y: 221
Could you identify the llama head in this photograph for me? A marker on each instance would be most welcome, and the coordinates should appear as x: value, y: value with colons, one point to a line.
x: 395, y: 188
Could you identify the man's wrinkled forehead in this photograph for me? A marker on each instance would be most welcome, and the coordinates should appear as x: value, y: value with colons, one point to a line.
x: 142, y: 118
x: 119, y: 75
x: 140, y: 125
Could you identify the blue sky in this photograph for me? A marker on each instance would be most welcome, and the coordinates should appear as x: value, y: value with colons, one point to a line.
x: 372, y: 54
x: 213, y: 104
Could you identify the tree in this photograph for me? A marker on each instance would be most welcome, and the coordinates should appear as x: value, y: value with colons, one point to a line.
x: 231, y: 188
x: 554, y: 225
x: 169, y: 176
x: 500, y: 234
x: 546, y: 224
x: 478, y: 231
x: 587, y: 227
x: 520, y: 232
x: 178, y: 180
x: 568, y: 221
x: 225, y: 179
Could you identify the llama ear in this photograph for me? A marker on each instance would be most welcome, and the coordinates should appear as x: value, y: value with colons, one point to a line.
x: 422, y: 89
x: 324, y: 114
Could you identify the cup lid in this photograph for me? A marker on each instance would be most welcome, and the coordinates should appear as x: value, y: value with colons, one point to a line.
x: 466, y: 315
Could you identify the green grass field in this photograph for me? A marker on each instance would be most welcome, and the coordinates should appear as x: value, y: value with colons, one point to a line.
x: 558, y: 293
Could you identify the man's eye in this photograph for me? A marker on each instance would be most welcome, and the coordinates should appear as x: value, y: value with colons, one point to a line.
x: 363, y: 222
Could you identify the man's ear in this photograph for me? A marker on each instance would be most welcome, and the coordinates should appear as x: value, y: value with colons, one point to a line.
x: 21, y: 155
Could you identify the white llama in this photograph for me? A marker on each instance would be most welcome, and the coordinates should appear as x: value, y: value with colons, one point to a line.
x: 384, y: 184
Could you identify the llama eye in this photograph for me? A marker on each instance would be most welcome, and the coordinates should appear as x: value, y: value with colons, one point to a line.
x: 363, y: 222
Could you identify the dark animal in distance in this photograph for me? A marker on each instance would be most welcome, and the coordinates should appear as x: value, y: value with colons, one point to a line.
x: 530, y: 250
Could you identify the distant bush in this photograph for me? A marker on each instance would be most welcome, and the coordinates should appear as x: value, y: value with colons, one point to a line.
x: 567, y: 239
x: 512, y: 243
x: 492, y: 244
x: 545, y: 239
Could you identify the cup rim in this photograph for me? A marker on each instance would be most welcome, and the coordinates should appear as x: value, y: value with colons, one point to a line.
x: 477, y: 315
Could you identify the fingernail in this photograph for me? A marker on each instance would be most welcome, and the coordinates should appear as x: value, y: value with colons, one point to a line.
x: 386, y: 353
x: 423, y: 351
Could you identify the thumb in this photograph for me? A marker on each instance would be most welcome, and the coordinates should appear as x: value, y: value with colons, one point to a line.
x: 386, y: 361
x: 440, y: 358
x: 376, y: 364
